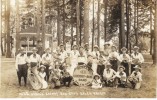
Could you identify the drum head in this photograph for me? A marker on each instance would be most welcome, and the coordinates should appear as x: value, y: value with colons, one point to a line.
x: 36, y: 85
x: 82, y: 76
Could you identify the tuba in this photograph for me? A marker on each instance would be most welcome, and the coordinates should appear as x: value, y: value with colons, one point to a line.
x: 34, y: 78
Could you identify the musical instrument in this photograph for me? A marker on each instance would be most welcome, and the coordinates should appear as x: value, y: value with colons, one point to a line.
x: 83, y: 76
x: 34, y: 79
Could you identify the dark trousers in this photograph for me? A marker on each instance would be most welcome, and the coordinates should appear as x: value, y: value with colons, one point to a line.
x: 132, y: 83
x: 126, y: 65
x: 114, y: 64
x: 120, y: 83
x: 47, y: 72
x: 67, y: 79
x: 100, y: 70
x: 109, y: 83
x: 22, y: 72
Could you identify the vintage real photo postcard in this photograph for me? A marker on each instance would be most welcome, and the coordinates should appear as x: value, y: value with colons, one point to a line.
x: 78, y: 48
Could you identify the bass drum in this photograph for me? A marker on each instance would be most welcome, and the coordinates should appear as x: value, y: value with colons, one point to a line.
x: 34, y: 81
x: 82, y: 75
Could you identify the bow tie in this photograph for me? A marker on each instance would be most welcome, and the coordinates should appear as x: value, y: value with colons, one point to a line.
x: 108, y: 71
x: 34, y: 55
x: 47, y: 55
x: 22, y: 54
x: 121, y: 73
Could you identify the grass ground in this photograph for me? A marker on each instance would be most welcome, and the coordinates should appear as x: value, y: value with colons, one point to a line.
x: 10, y: 88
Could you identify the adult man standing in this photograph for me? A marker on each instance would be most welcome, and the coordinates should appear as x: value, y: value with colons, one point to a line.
x: 21, y: 65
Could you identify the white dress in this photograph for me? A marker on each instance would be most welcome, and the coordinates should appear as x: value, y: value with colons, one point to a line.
x: 95, y: 61
x: 74, y: 61
x: 96, y: 84
x: 44, y: 83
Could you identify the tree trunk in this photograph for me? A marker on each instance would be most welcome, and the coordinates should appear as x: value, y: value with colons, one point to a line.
x: 105, y: 19
x: 8, y: 52
x: 93, y: 28
x: 72, y: 25
x: 78, y: 22
x: 64, y: 42
x: 155, y: 36
x: 17, y: 27
x: 128, y: 24
x: 38, y: 20
x: 43, y: 25
x: 58, y: 23
x: 151, y: 38
x: 86, y: 21
x: 98, y: 21
x: 122, y: 32
x: 80, y: 6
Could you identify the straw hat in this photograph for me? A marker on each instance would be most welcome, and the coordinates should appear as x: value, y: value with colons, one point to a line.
x: 137, y: 67
x: 96, y: 75
x: 136, y: 47
x: 21, y: 49
x: 106, y: 43
x: 47, y: 49
x: 61, y: 45
x: 122, y: 67
x: 113, y: 46
x: 42, y: 66
x: 124, y: 49
x: 34, y: 49
x: 108, y: 64
x: 96, y: 46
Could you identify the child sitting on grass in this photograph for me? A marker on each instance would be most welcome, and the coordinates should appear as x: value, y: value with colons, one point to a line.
x: 96, y: 83
x: 136, y: 78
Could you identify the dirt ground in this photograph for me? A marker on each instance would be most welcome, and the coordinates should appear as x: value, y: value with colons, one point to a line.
x: 11, y: 89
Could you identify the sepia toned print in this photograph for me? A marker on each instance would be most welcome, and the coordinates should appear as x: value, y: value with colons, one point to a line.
x: 78, y: 48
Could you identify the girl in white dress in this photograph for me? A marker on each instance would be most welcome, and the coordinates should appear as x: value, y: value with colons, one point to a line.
x: 42, y: 75
x: 96, y: 83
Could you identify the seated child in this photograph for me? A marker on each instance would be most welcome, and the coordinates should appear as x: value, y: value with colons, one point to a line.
x: 55, y: 76
x: 96, y: 83
x: 108, y: 75
x: 42, y: 75
x: 136, y: 78
x: 66, y: 77
x: 120, y: 77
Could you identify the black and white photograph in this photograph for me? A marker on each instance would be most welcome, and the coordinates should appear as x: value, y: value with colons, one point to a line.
x: 78, y: 48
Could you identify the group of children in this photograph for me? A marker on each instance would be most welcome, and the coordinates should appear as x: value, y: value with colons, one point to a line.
x: 109, y: 67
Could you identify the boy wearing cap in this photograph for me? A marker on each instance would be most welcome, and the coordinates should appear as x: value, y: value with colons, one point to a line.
x: 46, y: 61
x: 21, y: 65
x: 125, y: 60
x: 114, y: 58
x: 120, y: 78
x: 136, y: 78
x: 136, y: 58
x: 108, y: 75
